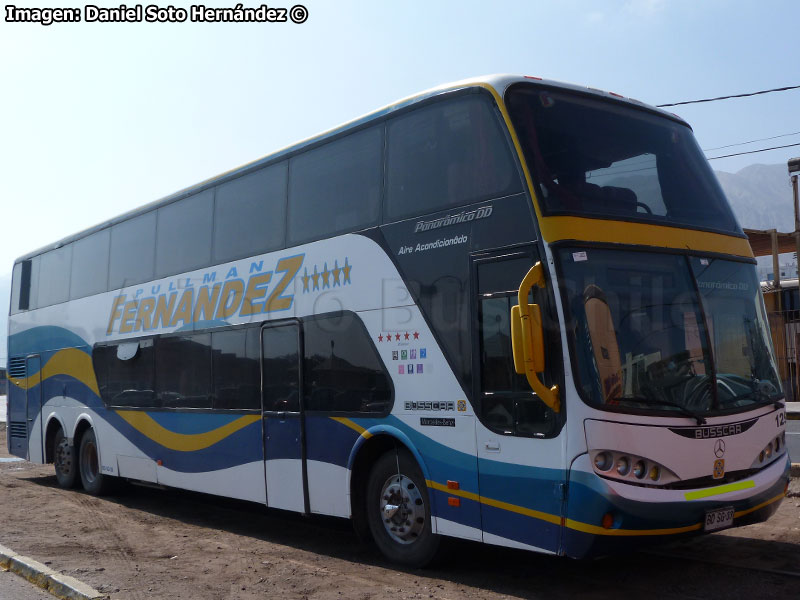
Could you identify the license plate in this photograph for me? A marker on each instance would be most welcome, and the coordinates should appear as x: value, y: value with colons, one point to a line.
x: 719, y: 518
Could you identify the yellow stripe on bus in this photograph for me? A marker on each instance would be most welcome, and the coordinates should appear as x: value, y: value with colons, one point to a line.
x: 183, y: 442
x: 720, y: 489
x: 579, y: 525
x: 69, y: 361
x: 354, y: 426
x: 618, y: 232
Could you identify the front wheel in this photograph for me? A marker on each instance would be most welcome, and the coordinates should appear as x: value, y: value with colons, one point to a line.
x: 399, y: 510
x: 92, y: 479
x: 64, y: 461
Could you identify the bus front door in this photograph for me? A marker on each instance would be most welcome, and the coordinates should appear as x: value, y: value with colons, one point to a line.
x: 33, y: 407
x: 282, y: 412
x: 520, y: 460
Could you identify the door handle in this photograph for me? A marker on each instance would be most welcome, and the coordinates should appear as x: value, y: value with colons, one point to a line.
x: 493, y: 446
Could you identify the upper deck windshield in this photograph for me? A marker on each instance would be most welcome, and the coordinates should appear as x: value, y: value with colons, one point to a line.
x: 602, y: 158
x: 671, y: 333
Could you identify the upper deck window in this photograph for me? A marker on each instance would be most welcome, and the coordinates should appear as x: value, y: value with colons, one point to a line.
x: 336, y: 188
x: 447, y: 154
x: 601, y: 158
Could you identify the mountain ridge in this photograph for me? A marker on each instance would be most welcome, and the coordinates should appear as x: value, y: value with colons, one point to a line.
x: 760, y: 195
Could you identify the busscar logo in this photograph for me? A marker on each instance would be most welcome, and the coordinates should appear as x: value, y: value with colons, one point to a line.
x: 714, y: 431
x: 433, y: 405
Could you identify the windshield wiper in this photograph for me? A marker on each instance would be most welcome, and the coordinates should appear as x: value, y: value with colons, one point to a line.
x: 701, y: 420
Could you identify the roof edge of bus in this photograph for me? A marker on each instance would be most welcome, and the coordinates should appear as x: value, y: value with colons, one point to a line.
x: 499, y: 82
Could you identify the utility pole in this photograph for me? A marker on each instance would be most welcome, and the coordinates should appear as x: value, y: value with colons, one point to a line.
x: 794, y: 168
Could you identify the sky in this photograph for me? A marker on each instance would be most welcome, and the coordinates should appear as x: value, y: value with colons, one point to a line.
x: 99, y: 118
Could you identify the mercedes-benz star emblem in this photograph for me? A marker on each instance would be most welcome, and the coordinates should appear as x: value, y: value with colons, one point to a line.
x: 719, y: 448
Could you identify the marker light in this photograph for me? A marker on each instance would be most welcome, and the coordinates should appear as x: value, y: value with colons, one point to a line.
x: 768, y: 451
x: 603, y: 461
x: 639, y: 470
x: 623, y: 465
x: 608, y: 521
x: 655, y: 473
x: 761, y: 457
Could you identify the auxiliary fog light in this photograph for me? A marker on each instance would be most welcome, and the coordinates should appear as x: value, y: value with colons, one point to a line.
x: 655, y: 473
x: 603, y: 461
x: 623, y: 465
x: 608, y: 521
x: 639, y: 469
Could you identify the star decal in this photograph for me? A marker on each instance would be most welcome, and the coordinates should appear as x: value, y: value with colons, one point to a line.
x: 305, y: 279
x: 416, y: 335
x: 406, y: 336
x: 315, y: 278
x: 380, y: 337
x: 346, y: 271
x: 326, y: 275
x: 397, y: 337
x: 388, y: 337
x: 336, y: 270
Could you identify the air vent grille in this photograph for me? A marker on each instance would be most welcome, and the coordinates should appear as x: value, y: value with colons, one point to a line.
x: 17, y: 429
x: 16, y: 367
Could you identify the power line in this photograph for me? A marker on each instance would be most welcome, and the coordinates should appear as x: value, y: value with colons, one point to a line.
x: 753, y: 151
x: 781, y: 89
x: 774, y: 137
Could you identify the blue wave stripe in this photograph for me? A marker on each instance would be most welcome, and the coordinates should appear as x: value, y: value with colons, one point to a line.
x: 40, y: 339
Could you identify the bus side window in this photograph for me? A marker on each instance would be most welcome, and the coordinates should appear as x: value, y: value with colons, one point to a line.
x: 235, y: 368
x: 447, y: 154
x: 129, y: 382
x: 183, y: 377
x: 336, y: 187
x: 342, y: 370
x: 54, y: 272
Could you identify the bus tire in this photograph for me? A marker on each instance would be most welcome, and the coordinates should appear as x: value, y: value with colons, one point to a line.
x: 64, y: 461
x: 92, y: 478
x: 399, y: 510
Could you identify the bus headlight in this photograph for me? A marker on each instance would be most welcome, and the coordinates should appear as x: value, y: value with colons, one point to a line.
x: 602, y: 461
x: 630, y: 468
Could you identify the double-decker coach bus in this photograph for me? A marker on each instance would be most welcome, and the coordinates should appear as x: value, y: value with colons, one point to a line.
x: 508, y: 310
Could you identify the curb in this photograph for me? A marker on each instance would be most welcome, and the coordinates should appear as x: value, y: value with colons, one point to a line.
x: 61, y: 586
x: 795, y: 472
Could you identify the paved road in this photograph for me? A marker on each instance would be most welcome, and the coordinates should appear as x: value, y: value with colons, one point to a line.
x: 14, y: 587
x: 793, y: 439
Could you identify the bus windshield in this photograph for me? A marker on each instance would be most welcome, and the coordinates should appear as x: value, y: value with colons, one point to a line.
x: 601, y: 158
x: 667, y: 332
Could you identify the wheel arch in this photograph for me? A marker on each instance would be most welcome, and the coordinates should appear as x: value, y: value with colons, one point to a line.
x: 54, y: 423
x: 83, y: 423
x: 371, y: 445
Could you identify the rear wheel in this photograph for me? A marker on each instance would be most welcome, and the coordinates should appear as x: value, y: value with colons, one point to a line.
x: 64, y: 461
x: 399, y: 510
x: 92, y: 479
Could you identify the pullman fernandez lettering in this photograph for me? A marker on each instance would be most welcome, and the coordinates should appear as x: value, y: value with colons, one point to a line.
x: 183, y: 304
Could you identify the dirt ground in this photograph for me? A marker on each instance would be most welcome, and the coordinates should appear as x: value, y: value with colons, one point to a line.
x: 146, y: 543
